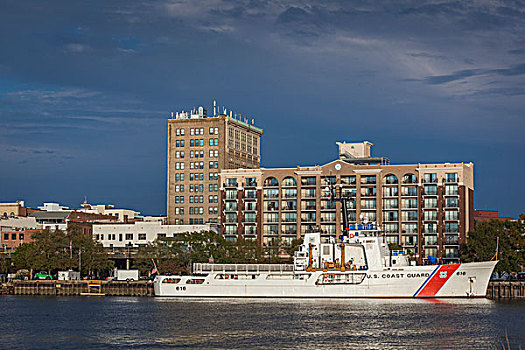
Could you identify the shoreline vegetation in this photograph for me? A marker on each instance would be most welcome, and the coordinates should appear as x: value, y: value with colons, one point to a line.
x: 52, y: 251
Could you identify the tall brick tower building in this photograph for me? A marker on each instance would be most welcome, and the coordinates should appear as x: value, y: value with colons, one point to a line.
x: 199, y: 148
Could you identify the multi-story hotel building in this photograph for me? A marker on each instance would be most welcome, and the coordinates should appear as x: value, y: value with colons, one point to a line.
x: 199, y: 148
x: 426, y: 208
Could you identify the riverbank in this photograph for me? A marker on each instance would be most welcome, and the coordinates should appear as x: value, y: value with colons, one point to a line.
x: 95, y: 288
x: 495, y: 290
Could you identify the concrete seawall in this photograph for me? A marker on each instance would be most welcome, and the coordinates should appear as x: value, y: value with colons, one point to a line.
x: 495, y: 290
x: 506, y: 290
x: 110, y: 288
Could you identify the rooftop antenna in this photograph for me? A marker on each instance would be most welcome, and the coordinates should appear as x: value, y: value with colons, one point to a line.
x: 171, y: 115
x: 214, y: 108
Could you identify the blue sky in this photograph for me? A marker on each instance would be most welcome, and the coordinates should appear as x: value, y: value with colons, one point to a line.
x: 86, y: 89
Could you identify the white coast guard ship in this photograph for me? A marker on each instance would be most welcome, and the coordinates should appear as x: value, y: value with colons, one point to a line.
x: 360, y: 265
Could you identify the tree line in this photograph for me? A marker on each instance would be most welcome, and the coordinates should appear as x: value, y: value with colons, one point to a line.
x: 176, y: 255
x: 482, y: 240
x: 62, y: 250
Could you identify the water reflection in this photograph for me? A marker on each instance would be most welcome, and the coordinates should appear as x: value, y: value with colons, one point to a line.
x: 259, y: 323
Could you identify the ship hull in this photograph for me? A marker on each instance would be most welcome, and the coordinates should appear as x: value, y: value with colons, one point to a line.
x: 433, y: 281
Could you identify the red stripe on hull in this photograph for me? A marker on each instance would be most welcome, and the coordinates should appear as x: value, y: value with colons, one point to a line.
x: 438, y: 280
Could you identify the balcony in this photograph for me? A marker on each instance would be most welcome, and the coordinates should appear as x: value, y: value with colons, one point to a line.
x: 452, y: 193
x: 248, y: 184
x: 289, y: 220
x: 327, y: 219
x: 289, y: 208
x: 368, y: 194
x: 308, y: 184
x: 328, y: 207
x: 451, y: 239
x: 307, y: 219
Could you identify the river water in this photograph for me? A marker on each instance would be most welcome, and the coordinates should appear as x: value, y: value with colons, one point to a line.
x: 156, y: 323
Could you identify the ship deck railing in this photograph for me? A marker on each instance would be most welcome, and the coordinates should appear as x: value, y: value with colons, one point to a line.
x: 200, y: 268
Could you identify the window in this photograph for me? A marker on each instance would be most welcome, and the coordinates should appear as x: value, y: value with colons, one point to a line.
x: 292, y: 193
x: 329, y: 180
x: 409, y: 203
x: 250, y: 217
x: 290, y: 217
x: 430, y: 178
x: 368, y: 179
x: 391, y: 179
x: 368, y: 204
x: 451, y: 177
x: 430, y: 203
x: 21, y: 236
x: 409, y: 191
x: 231, y: 194
x: 391, y: 216
x: 192, y: 131
x: 231, y: 230
x: 231, y: 218
x: 368, y: 191
x: 430, y: 190
x: 271, y: 182
x: 308, y: 181
x: 451, y: 202
x: 216, y: 142
x: 348, y: 180
x: 451, y: 190
x: 409, y: 179
x: 391, y: 228
x: 390, y: 191
x: 142, y: 236
x: 451, y: 215
x: 451, y: 227
x: 430, y: 215
x: 430, y: 228
x: 410, y: 216
x: 129, y: 236
x: 430, y: 252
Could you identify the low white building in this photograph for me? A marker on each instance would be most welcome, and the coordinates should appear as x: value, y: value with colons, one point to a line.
x: 123, y: 215
x: 49, y: 206
x: 20, y: 223
x: 52, y: 220
x: 141, y: 233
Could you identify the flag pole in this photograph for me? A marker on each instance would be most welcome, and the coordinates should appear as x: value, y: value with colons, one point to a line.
x: 155, y: 265
x: 497, y: 249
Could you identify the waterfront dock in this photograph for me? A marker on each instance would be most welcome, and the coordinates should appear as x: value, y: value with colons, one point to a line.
x: 495, y: 290
x: 506, y: 290
x: 93, y: 288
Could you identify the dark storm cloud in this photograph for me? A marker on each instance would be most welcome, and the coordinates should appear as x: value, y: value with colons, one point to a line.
x: 99, y: 78
x: 462, y: 74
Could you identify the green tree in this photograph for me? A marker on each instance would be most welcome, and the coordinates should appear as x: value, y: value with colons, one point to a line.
x: 59, y: 250
x: 176, y: 255
x: 481, y: 244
